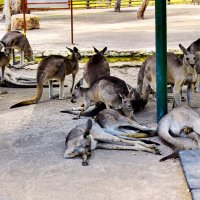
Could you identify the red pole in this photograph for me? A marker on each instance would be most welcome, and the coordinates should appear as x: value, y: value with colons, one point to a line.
x: 72, y: 28
x: 24, y: 6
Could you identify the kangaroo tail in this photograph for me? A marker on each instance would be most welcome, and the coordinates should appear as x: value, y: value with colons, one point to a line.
x: 34, y: 100
x: 90, y: 113
x: 173, y: 155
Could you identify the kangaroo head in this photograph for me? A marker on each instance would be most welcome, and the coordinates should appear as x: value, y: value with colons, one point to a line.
x: 98, y: 57
x: 29, y: 54
x: 75, y: 53
x: 189, y: 56
x: 76, y: 93
x: 127, y: 100
x: 78, y: 141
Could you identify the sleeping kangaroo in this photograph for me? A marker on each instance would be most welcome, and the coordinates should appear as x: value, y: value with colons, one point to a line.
x: 84, y: 138
x: 16, y: 40
x: 112, y: 91
x: 54, y: 67
x: 177, y: 121
x: 180, y: 72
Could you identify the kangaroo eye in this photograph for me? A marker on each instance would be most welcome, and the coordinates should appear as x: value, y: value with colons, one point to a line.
x: 187, y: 58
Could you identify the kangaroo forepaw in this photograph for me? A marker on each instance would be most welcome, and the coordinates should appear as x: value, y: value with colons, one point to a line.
x: 84, y: 163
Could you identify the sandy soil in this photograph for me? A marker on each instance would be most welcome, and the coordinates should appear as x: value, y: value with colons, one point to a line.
x: 32, y: 164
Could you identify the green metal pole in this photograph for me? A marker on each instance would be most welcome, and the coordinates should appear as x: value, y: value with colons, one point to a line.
x: 161, y: 60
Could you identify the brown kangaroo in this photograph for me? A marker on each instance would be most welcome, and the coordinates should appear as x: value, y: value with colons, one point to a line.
x: 54, y: 67
x: 179, y: 120
x: 16, y: 40
x: 112, y: 91
x: 195, y: 47
x: 4, y: 62
x: 84, y: 138
x: 180, y: 72
x: 97, y: 67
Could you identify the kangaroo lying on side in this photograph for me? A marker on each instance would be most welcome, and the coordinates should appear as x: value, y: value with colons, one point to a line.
x: 97, y: 67
x: 16, y: 40
x: 179, y: 120
x: 179, y: 73
x: 54, y: 67
x: 112, y: 91
x: 84, y: 138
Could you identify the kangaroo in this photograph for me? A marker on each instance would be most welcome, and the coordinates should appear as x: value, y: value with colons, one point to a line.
x: 4, y: 62
x: 86, y: 137
x: 180, y: 72
x: 195, y: 47
x: 97, y: 67
x: 54, y: 67
x: 16, y: 40
x: 110, y: 120
x: 179, y: 120
x: 110, y: 90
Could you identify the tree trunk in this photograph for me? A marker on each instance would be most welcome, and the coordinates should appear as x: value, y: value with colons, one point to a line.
x: 117, y: 5
x: 11, y: 7
x: 141, y: 10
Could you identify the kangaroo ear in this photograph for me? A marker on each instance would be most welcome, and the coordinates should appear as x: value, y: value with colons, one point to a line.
x: 184, y: 50
x: 104, y: 50
x: 95, y: 50
x: 88, y: 128
x: 75, y: 49
x: 79, y: 84
x: 130, y: 94
x: 70, y: 49
x: 192, y: 48
x: 121, y: 95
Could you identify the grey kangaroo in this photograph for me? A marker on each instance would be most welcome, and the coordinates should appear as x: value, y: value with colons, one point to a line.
x: 195, y: 47
x: 54, y: 67
x: 16, y: 40
x: 112, y: 91
x: 179, y: 120
x: 4, y: 62
x: 180, y: 72
x: 97, y: 67
x: 86, y: 137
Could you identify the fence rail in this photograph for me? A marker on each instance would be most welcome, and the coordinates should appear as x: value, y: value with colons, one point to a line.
x: 124, y: 3
x: 85, y: 4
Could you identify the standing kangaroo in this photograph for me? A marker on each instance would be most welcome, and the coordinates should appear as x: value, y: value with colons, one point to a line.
x: 195, y: 47
x: 16, y: 40
x: 179, y: 73
x: 84, y: 138
x: 54, y: 67
x: 4, y: 62
x: 112, y: 91
x: 97, y: 67
x: 177, y: 121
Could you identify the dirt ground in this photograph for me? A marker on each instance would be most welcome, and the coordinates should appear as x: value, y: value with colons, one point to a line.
x: 32, y: 166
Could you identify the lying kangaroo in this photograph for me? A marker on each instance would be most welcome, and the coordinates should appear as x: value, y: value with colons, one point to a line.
x: 195, y: 47
x: 97, y: 67
x: 179, y: 120
x: 110, y: 90
x: 16, y: 40
x: 54, y: 67
x: 110, y: 120
x: 84, y: 138
x: 180, y: 72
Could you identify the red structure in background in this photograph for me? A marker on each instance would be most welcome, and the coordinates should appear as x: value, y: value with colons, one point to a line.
x: 28, y: 5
